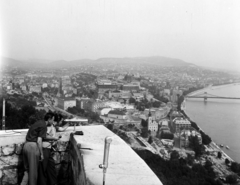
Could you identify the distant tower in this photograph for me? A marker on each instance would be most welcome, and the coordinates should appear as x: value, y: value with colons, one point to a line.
x: 59, y: 94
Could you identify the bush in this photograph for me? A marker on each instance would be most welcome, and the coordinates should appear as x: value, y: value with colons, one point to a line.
x: 175, y: 172
x: 144, y: 132
x: 231, y: 179
x: 219, y: 155
x: 144, y: 123
x: 174, y: 155
x: 110, y: 126
x: 227, y: 161
x: 235, y: 167
x: 150, y: 140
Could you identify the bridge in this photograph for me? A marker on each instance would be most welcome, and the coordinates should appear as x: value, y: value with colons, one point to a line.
x: 206, y: 96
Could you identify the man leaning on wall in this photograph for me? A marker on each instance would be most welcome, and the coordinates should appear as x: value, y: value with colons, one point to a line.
x: 32, y: 149
x: 47, y: 172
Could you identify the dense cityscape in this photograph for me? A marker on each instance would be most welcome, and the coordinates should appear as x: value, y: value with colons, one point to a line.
x: 143, y: 103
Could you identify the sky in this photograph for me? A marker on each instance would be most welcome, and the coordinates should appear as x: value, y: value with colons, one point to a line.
x: 202, y: 32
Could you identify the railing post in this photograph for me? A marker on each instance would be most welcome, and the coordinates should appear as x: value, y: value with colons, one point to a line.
x: 3, y: 115
x: 104, y: 166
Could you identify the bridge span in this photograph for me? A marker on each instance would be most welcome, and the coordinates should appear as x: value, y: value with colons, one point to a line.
x: 206, y: 96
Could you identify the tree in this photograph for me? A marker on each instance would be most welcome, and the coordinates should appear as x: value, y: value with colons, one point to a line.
x: 219, y: 155
x: 144, y: 123
x: 208, y: 164
x: 132, y: 100
x: 156, y: 104
x: 174, y: 155
x: 194, y: 144
x: 176, y: 171
x: 150, y: 140
x: 72, y: 110
x: 206, y: 140
x: 235, y: 167
x: 231, y: 179
x: 110, y: 126
x: 144, y: 132
x: 130, y: 125
x: 179, y: 103
x: 227, y: 161
x: 190, y: 159
x: 166, y: 135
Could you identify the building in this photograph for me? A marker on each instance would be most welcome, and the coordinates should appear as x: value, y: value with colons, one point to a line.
x: 130, y: 87
x: 35, y: 88
x: 23, y: 86
x: 166, y: 134
x: 85, y: 103
x: 181, y: 124
x: 166, y: 92
x: 152, y: 124
x: 64, y: 103
x: 103, y: 111
x: 164, y: 123
x: 44, y: 85
x: 106, y: 87
x: 98, y: 105
x: 175, y: 114
x: 195, y: 133
x: 138, y: 96
x: 60, y: 93
x: 117, y: 114
x: 115, y: 94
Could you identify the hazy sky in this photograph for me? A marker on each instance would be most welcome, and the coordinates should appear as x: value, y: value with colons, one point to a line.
x: 203, y: 32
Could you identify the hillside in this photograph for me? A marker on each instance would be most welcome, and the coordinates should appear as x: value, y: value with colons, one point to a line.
x: 157, y: 60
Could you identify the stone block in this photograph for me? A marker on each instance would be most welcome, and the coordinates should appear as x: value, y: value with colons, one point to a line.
x: 9, y: 177
x: 6, y: 161
x: 8, y: 149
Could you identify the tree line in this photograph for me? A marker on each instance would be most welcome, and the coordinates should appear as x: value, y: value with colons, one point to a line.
x: 178, y: 170
x: 20, y: 117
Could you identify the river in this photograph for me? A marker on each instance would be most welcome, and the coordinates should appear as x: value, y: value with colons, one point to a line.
x: 219, y: 118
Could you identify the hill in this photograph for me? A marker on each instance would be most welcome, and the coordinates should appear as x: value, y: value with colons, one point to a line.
x: 34, y: 63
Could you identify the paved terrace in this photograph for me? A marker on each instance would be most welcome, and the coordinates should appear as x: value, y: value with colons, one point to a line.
x: 125, y: 167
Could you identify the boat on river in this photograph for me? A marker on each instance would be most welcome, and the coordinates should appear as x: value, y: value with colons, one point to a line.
x: 227, y: 147
x: 221, y: 145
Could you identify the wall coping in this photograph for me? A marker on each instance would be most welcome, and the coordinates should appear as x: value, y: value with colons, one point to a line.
x: 125, y: 167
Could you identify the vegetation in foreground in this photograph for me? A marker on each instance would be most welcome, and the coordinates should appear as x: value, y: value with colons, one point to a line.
x: 179, y: 171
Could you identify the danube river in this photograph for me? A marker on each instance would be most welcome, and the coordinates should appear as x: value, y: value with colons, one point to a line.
x: 219, y: 118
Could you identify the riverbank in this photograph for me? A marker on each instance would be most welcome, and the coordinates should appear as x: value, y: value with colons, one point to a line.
x: 211, y: 87
x: 212, y: 146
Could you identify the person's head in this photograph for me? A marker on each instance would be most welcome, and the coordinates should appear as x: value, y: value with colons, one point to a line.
x: 49, y: 118
x: 58, y: 118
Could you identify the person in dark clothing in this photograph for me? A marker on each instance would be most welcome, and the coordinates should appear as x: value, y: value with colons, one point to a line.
x: 32, y: 149
x: 47, y: 172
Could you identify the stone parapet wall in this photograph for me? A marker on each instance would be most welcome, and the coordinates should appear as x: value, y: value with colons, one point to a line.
x: 11, y: 165
x: 79, y: 176
x: 67, y: 157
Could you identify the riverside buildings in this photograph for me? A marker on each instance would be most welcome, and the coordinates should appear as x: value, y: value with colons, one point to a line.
x: 181, y: 124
